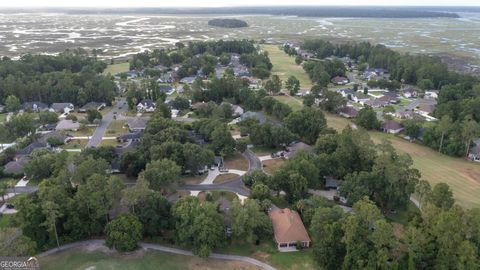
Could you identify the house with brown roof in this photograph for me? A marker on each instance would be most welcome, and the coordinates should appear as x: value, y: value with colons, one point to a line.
x: 348, y: 112
x: 288, y: 229
x: 296, y: 147
x: 340, y: 80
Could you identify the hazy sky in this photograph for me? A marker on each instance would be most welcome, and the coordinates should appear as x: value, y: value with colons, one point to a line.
x: 221, y: 3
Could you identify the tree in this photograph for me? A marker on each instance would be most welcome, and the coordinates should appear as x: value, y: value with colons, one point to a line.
x: 412, y: 128
x: 444, y: 126
x: 292, y: 85
x: 298, y: 59
x: 87, y: 168
x: 13, y: 243
x: 277, y: 83
x: 423, y: 190
x: 425, y: 84
x: 181, y: 103
x: 47, y: 117
x: 308, y: 100
x: 154, y: 214
x: 136, y: 194
x: 307, y: 123
x: 222, y: 141
x: 260, y: 191
x: 198, y: 225
x: 471, y: 129
x: 161, y: 173
x: 255, y: 176
x: 367, y: 118
x: 52, y: 213
x: 241, y: 146
x: 441, y: 196
x: 12, y: 104
x: 326, y: 228
x: 123, y: 233
x: 93, y: 115
x: 249, y: 222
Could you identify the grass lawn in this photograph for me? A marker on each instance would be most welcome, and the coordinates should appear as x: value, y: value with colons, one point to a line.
x: 268, y: 252
x: 75, y: 144
x: 5, y: 220
x: 294, y: 103
x: 83, y: 132
x: 109, y: 142
x: 284, y: 66
x: 237, y: 162
x: 262, y: 151
x: 116, y: 128
x: 224, y: 178
x: 271, y: 165
x: 193, y: 180
x: 76, y: 259
x: 117, y: 68
x: 401, y: 216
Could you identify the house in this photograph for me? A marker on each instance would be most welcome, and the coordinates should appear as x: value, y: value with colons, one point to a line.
x: 166, y: 78
x: 425, y: 109
x: 348, y: 112
x: 390, y: 98
x: 146, y: 105
x: 410, y: 92
x: 241, y: 71
x: 330, y: 182
x: 29, y: 149
x: 62, y: 107
x: 403, y: 114
x: 16, y: 166
x: 167, y: 89
x: 376, y: 103
x: 431, y: 94
x: 305, y: 54
x: 59, y: 136
x: 372, y: 73
x: 160, y: 67
x: 134, y: 74
x: 34, y: 106
x: 196, y: 105
x: 48, y: 127
x: 288, y: 229
x: 137, y: 124
x: 218, y: 162
x: 237, y: 111
x: 340, y: 80
x: 294, y: 148
x: 69, y: 125
x: 474, y: 152
x: 130, y: 137
x: 346, y: 92
x: 219, y: 71
x: 360, y: 97
x: 2, y: 108
x: 92, y: 106
x: 391, y: 126
x: 188, y: 80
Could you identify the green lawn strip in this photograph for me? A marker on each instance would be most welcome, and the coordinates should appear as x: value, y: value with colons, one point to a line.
x: 117, y: 68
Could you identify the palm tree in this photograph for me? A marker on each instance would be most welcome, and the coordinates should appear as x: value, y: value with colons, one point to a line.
x: 3, y: 190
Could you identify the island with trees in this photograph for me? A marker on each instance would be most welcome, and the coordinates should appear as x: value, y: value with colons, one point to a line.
x: 228, y: 23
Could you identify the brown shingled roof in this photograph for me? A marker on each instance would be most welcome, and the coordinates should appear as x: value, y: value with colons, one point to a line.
x: 288, y: 226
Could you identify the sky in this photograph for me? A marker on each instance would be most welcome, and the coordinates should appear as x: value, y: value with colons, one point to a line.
x: 227, y: 3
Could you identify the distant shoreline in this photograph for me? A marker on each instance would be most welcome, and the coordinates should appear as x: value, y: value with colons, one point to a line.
x: 303, y: 11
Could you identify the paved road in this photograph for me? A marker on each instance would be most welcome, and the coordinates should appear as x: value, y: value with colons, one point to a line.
x: 26, y: 189
x: 99, y: 244
x: 99, y: 133
x: 236, y: 185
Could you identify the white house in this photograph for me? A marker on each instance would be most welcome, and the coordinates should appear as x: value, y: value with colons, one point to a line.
x: 62, y: 107
x: 146, y: 105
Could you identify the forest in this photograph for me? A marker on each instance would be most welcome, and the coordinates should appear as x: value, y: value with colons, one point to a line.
x: 228, y: 23
x: 73, y: 76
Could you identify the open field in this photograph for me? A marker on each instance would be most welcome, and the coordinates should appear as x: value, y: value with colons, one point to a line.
x: 75, y: 144
x: 271, y: 165
x: 117, y: 68
x: 77, y: 259
x: 116, y: 128
x: 284, y: 66
x: 237, y: 162
x: 294, y: 103
x: 225, y: 177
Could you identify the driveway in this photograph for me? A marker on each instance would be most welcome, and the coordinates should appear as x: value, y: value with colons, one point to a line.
x: 99, y: 133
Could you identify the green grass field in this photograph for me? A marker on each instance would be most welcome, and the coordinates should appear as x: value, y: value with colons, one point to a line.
x: 76, y: 259
x: 117, y: 68
x: 284, y: 66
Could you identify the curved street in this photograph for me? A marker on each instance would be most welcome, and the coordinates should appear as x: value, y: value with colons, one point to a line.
x: 99, y: 243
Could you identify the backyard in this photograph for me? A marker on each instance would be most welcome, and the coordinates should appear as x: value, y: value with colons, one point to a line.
x: 117, y: 68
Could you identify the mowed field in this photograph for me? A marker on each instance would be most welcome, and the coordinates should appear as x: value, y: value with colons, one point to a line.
x: 461, y: 175
x: 77, y: 259
x: 117, y: 68
x: 284, y: 66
